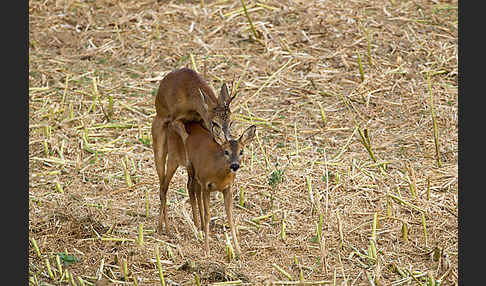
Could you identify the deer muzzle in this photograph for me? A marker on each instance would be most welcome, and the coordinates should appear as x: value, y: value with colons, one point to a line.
x: 234, y: 167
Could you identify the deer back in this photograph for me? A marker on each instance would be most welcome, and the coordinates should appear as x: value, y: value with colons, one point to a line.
x: 179, y: 92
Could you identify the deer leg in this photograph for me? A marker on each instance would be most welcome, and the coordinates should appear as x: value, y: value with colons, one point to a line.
x: 208, y: 125
x: 205, y: 195
x: 179, y: 128
x: 171, y: 168
x: 191, y: 184
x: 197, y: 191
x: 202, y: 110
x: 228, y: 205
x: 159, y: 139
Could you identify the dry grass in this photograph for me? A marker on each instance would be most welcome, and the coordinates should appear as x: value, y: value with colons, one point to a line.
x: 357, y: 148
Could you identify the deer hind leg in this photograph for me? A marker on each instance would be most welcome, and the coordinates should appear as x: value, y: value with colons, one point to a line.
x: 228, y: 205
x: 159, y: 144
x: 191, y: 185
x: 171, y: 168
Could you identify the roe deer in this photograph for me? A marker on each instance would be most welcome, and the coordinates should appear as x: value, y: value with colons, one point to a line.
x: 183, y: 96
x: 212, y: 167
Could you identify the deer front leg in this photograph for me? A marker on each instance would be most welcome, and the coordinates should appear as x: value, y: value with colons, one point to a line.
x: 207, y: 122
x: 191, y: 188
x: 205, y: 196
x: 228, y: 205
x: 179, y: 128
x: 198, y: 192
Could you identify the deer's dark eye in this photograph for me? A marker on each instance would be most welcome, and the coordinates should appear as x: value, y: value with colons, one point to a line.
x: 226, y: 152
x: 241, y: 152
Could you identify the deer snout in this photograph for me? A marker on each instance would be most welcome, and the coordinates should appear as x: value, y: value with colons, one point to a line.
x: 234, y: 167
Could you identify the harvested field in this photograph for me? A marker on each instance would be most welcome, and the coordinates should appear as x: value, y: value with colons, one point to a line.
x: 353, y: 176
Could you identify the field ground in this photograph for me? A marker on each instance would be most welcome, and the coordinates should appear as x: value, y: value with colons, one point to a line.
x: 356, y: 149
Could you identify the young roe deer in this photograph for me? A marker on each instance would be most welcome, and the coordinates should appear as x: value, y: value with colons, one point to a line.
x: 213, y: 163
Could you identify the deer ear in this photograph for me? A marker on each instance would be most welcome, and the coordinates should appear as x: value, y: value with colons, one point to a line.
x: 248, y: 135
x: 218, y: 133
x: 223, y: 94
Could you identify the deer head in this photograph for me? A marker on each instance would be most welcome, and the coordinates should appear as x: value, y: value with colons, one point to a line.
x: 231, y: 148
x: 220, y: 112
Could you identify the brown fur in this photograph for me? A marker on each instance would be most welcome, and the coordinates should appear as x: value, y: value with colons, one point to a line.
x: 208, y: 170
x: 179, y: 100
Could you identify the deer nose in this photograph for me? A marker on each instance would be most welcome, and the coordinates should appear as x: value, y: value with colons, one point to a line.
x: 234, y: 167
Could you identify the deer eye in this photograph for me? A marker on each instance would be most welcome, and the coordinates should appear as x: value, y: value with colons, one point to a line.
x: 226, y: 152
x: 241, y: 152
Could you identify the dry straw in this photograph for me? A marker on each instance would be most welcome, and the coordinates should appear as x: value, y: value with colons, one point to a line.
x: 336, y: 90
x: 434, y: 122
